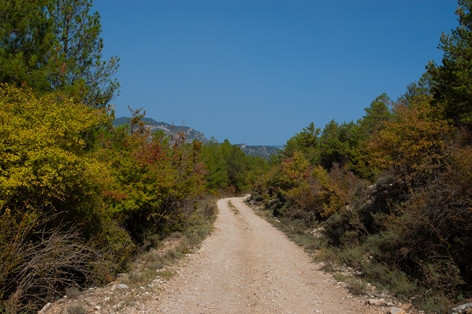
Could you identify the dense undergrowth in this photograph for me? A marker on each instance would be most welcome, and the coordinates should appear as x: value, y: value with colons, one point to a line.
x: 155, y: 256
x: 80, y: 198
x: 389, y: 195
x: 401, y: 218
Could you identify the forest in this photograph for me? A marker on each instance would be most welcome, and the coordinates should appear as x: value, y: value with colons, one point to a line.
x: 388, y: 194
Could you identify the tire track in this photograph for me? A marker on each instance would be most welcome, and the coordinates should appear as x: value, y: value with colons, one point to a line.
x: 247, y: 266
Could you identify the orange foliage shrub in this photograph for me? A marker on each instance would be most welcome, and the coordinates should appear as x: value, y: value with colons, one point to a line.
x: 412, y: 145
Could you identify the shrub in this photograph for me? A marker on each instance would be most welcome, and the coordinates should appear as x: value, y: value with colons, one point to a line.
x: 38, y: 262
x: 56, y: 232
x: 76, y: 309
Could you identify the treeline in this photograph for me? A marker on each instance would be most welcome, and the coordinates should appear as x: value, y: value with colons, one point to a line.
x: 229, y: 168
x: 390, y: 193
x: 79, y: 197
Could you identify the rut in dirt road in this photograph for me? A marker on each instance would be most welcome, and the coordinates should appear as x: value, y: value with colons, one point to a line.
x: 247, y: 266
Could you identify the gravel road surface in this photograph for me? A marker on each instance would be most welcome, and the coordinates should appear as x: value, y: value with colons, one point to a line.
x: 248, y: 266
x: 244, y: 266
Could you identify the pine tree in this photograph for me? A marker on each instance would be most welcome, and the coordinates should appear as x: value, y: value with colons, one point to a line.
x: 76, y: 65
x: 25, y: 41
x: 451, y: 82
x: 54, y: 45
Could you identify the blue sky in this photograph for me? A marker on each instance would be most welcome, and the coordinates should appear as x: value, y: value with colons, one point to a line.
x: 257, y: 72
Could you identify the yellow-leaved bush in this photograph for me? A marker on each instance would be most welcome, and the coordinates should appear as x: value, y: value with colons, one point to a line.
x: 51, y: 198
x: 42, y: 149
x: 310, y: 192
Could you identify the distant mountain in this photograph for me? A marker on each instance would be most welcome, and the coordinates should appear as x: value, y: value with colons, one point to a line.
x: 191, y: 134
x: 259, y: 150
x: 154, y: 126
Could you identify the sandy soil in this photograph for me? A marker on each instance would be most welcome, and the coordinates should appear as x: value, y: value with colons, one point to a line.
x: 244, y: 266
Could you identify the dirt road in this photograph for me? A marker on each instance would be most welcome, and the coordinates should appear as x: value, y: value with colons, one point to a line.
x: 247, y: 266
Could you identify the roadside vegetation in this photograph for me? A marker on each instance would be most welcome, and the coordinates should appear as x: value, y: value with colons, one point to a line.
x: 389, y: 194
x: 81, y: 200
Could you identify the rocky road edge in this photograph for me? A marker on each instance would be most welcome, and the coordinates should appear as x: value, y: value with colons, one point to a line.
x: 127, y: 290
x: 373, y: 297
x: 125, y: 294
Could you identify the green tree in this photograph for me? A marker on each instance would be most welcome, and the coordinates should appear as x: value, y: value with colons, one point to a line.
x: 54, y: 45
x: 257, y: 168
x: 212, y: 156
x: 76, y: 61
x: 416, y: 89
x: 308, y: 138
x: 236, y: 165
x: 306, y: 141
x: 451, y: 81
x: 374, y: 120
x: 375, y: 116
x: 26, y: 39
x: 334, y: 145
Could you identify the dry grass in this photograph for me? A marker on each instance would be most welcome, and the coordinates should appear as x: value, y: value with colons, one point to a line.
x: 159, y: 261
x: 35, y: 267
x: 233, y: 208
x: 76, y: 309
x: 72, y: 292
x: 166, y: 274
